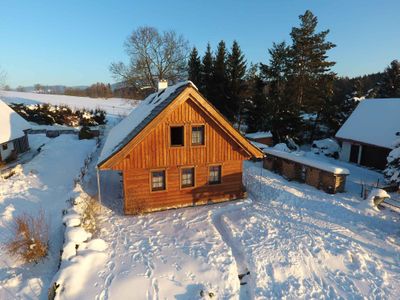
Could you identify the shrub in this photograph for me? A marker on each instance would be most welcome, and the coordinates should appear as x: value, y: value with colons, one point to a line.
x: 46, y: 114
x: 30, y: 241
x: 85, y: 133
x: 91, y: 209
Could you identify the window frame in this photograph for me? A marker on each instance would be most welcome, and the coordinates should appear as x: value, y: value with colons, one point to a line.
x: 182, y: 187
x: 183, y: 135
x: 220, y: 174
x: 151, y: 180
x: 204, y: 135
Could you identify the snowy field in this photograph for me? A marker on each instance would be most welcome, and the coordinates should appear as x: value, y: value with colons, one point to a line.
x: 288, y: 240
x: 113, y: 106
x: 44, y: 183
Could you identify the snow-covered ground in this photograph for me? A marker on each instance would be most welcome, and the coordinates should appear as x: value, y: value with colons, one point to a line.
x: 288, y: 240
x: 113, y: 106
x: 44, y: 183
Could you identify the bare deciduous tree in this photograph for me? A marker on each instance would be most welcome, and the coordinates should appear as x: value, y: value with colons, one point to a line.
x: 152, y: 56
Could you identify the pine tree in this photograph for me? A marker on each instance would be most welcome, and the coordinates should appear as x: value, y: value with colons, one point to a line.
x: 257, y: 119
x: 220, y: 82
x: 194, y: 66
x: 283, y: 118
x: 309, y: 63
x: 390, y: 87
x: 311, y: 77
x: 342, y: 103
x: 392, y: 170
x: 236, y: 71
x: 206, y: 73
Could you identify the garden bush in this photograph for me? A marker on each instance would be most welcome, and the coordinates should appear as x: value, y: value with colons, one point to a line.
x: 30, y: 238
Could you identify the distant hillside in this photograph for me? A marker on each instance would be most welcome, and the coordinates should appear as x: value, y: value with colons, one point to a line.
x: 50, y: 89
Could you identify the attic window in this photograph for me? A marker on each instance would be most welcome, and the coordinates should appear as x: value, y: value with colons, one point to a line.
x: 177, y: 139
x: 198, y: 135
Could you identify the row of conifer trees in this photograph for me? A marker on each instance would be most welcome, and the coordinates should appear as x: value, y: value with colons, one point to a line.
x: 296, y: 94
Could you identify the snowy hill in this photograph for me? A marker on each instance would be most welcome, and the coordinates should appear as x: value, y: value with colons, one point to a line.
x: 113, y: 106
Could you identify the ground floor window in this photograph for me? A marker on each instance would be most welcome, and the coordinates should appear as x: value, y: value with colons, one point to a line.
x: 158, y: 180
x: 214, y: 175
x: 187, y: 177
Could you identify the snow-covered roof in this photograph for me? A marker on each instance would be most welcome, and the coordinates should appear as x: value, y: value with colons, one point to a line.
x: 139, y: 118
x: 12, y: 125
x: 259, y: 145
x: 374, y: 121
x: 259, y: 135
x: 301, y: 159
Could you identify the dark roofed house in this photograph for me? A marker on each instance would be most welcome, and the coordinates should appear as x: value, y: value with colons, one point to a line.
x: 13, y: 133
x: 262, y: 137
x: 174, y: 150
x: 368, y: 134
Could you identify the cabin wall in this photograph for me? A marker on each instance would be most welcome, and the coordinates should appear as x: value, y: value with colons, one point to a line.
x: 155, y: 152
x: 140, y: 198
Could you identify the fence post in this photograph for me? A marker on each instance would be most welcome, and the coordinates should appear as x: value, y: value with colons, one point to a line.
x: 98, y: 184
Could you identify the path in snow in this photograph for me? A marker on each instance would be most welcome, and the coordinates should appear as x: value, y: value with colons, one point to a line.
x: 222, y: 224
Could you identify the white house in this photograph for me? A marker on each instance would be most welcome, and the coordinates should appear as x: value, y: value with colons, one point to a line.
x: 368, y: 134
x: 13, y: 132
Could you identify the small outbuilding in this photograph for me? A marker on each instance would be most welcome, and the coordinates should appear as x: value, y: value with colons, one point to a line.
x: 262, y: 137
x: 13, y: 133
x: 367, y: 135
x: 294, y: 166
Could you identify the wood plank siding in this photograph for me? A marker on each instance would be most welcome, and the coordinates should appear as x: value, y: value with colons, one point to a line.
x: 155, y: 152
x: 152, y: 159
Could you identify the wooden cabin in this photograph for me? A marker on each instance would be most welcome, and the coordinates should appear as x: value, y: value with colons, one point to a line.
x: 13, y: 133
x: 175, y: 150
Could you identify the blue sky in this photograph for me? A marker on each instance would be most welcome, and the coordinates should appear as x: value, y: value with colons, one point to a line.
x: 73, y: 42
